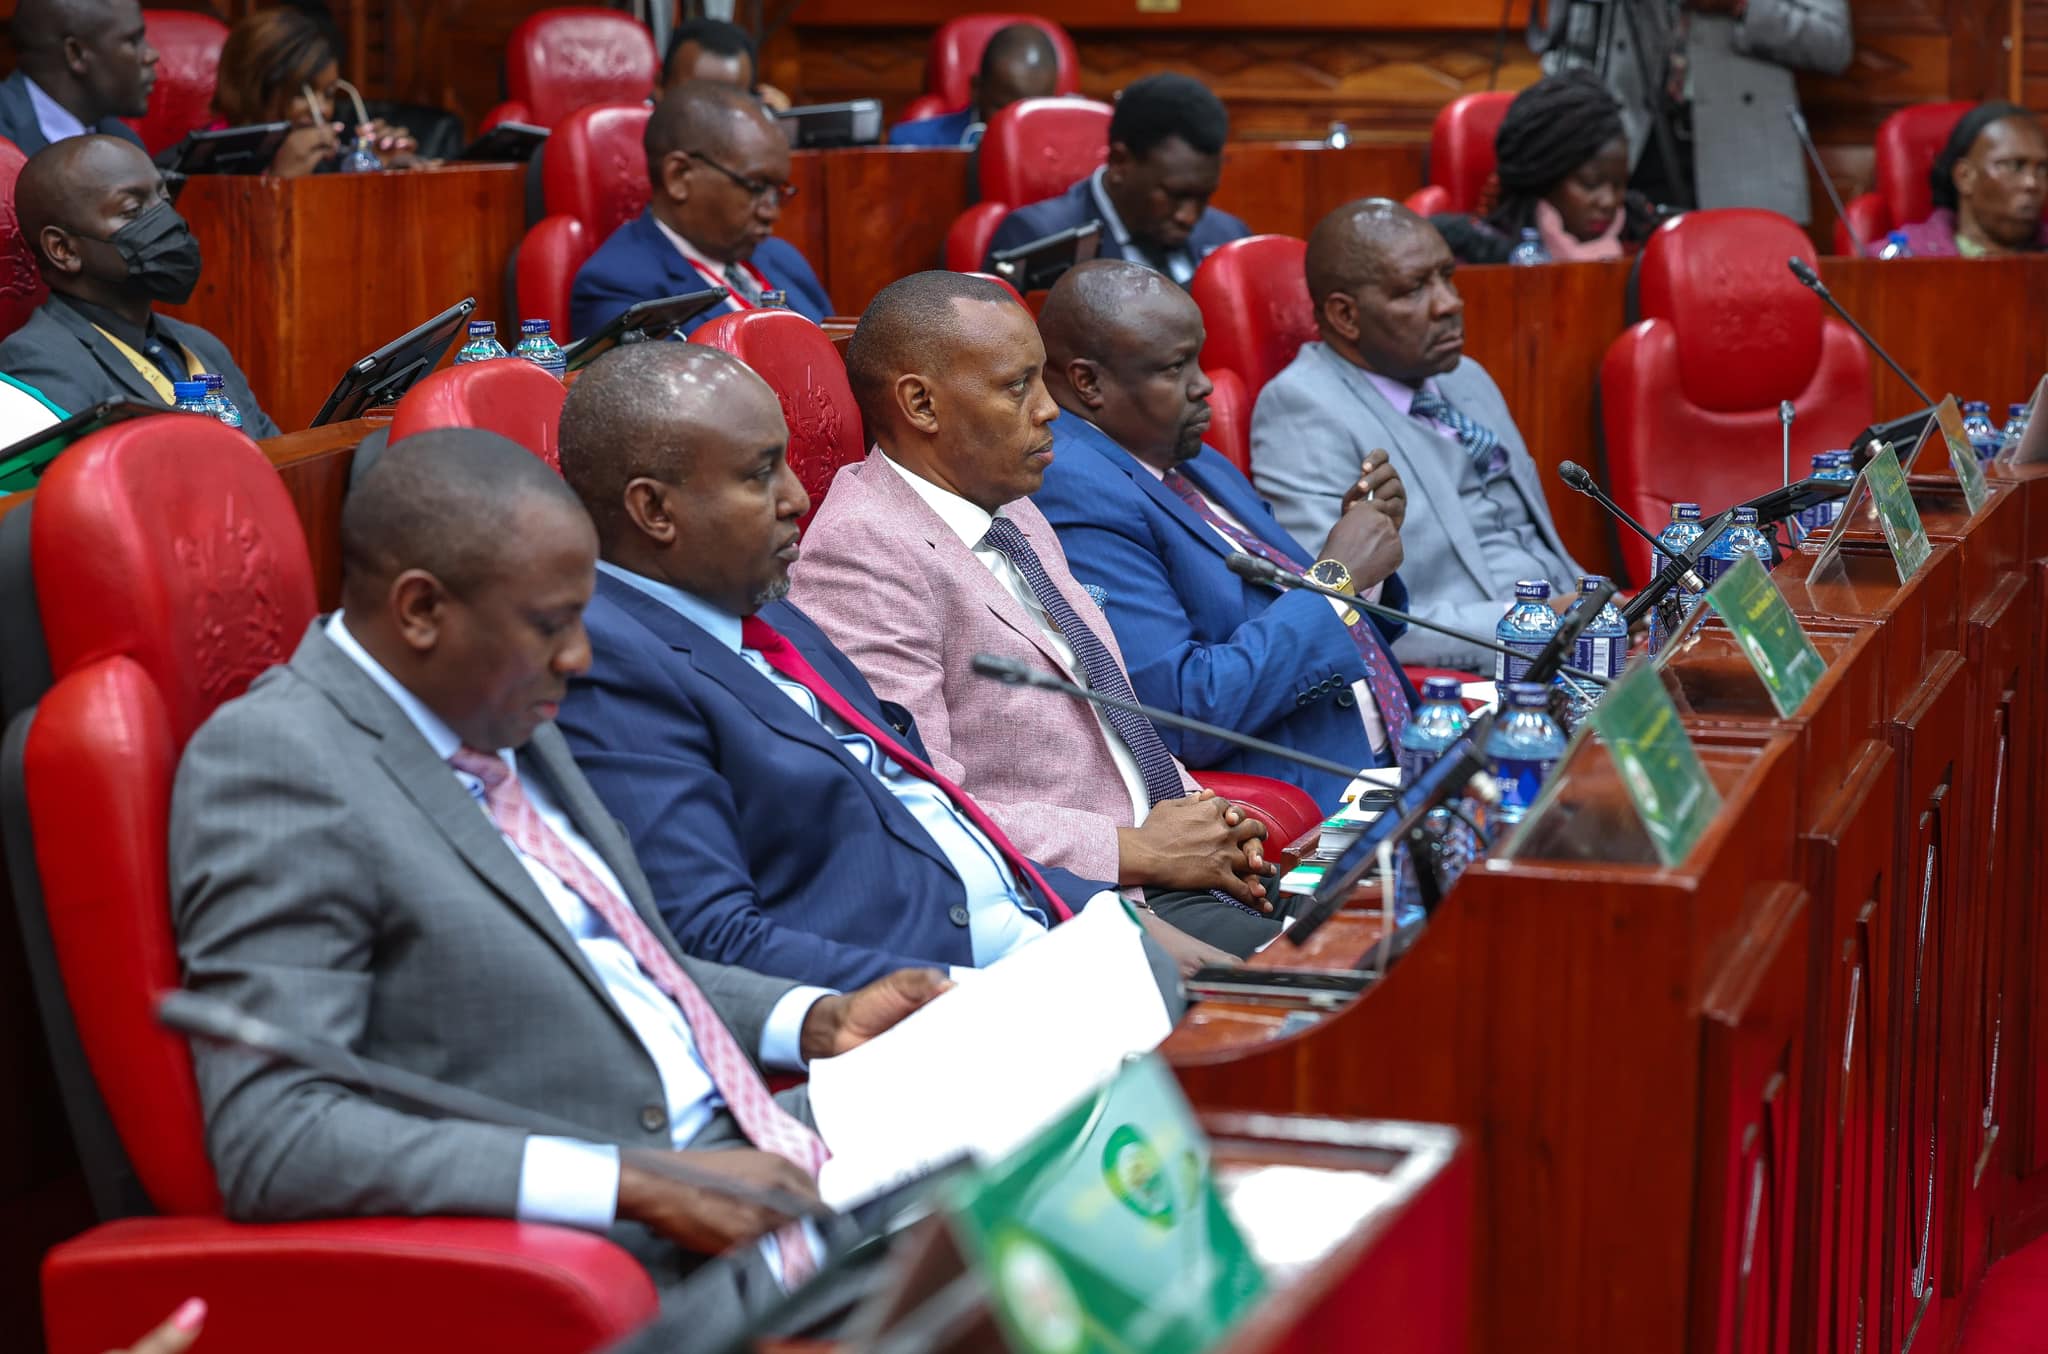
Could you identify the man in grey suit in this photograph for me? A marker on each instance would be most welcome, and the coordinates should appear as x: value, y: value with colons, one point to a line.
x: 1390, y: 374
x: 1719, y: 72
x: 111, y: 245
x: 385, y: 845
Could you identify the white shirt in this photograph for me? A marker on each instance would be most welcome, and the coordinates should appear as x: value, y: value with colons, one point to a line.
x: 1000, y: 916
x: 970, y: 523
x: 1180, y: 263
x: 1368, y: 708
x: 57, y: 122
x: 705, y: 263
x: 564, y: 1180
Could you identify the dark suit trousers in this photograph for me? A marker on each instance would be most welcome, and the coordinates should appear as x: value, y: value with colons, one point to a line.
x: 1208, y: 918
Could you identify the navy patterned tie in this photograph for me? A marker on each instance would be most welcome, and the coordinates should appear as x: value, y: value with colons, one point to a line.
x: 1480, y: 442
x: 1104, y: 675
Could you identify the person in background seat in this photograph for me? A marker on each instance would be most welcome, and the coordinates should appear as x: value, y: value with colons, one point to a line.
x: 279, y: 65
x: 721, y: 52
x: 80, y: 66
x: 1019, y: 62
x: 1989, y: 183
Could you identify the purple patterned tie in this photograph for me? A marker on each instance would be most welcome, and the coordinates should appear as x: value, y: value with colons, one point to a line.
x: 1380, y: 667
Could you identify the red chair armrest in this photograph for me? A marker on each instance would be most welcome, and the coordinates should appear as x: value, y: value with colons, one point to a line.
x: 393, y: 1285
x: 1429, y: 200
x: 967, y: 239
x: 510, y: 111
x: 1293, y: 821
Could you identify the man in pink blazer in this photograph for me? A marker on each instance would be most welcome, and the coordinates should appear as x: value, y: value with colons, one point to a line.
x: 929, y: 553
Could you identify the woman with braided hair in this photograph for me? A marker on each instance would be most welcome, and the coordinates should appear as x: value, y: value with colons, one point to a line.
x: 1561, y: 167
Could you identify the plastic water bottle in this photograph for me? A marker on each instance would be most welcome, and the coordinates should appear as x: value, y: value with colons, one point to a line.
x: 483, y: 343
x: 537, y: 346
x: 359, y: 159
x: 1603, y: 645
x: 1439, y: 721
x: 1672, y: 542
x: 1737, y: 539
x: 1530, y: 250
x: 2015, y: 428
x: 1523, y: 749
x: 1895, y: 246
x: 1833, y: 466
x: 1526, y: 628
x: 1978, y: 427
x: 217, y: 395
x: 191, y: 397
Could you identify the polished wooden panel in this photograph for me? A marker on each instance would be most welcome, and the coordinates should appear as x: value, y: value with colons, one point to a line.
x: 306, y: 276
x: 1974, y: 332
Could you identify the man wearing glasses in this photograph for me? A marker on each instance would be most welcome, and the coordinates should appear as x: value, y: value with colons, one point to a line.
x: 719, y: 168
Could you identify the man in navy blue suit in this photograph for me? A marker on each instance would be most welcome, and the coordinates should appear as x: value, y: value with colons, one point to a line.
x: 719, y: 167
x: 1151, y: 517
x: 1018, y: 63
x: 781, y: 811
x: 81, y: 66
x: 1151, y: 197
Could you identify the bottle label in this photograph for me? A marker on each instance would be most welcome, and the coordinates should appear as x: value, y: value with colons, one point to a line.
x: 1521, y: 781
x: 1595, y: 654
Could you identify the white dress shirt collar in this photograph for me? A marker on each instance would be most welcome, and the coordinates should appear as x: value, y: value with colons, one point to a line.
x: 969, y: 521
x: 57, y: 122
x: 688, y: 250
x: 721, y: 625
x: 442, y: 739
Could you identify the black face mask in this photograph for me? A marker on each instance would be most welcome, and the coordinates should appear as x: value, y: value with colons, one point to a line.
x: 161, y: 253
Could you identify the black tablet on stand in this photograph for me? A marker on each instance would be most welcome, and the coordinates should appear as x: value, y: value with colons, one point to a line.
x: 655, y: 319
x: 385, y: 375
x: 230, y: 150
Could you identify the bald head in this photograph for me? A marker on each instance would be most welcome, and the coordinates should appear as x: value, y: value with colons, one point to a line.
x: 718, y: 165
x: 912, y: 325
x: 76, y: 196
x: 91, y: 56
x: 1379, y: 277
x: 1018, y: 63
x: 1123, y: 350
x: 679, y: 452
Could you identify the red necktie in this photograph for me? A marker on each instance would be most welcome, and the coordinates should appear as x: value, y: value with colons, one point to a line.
x: 784, y: 657
x: 767, y: 1125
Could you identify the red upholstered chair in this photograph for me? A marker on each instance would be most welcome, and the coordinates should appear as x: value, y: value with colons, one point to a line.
x: 21, y: 284
x: 188, y: 55
x: 560, y: 60
x: 593, y: 180
x: 809, y: 379
x: 171, y: 571
x: 508, y: 396
x: 1255, y: 309
x: 1429, y: 199
x: 1230, y: 418
x: 1461, y: 151
x: 1689, y: 395
x: 1000, y: 282
x: 955, y: 59
x: 1906, y: 143
x: 1033, y: 150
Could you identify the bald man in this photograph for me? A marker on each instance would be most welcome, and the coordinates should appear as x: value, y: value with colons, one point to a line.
x: 111, y: 246
x: 1019, y: 62
x: 719, y: 167
x: 929, y: 553
x: 1149, y: 519
x: 80, y: 66
x: 1390, y: 376
x: 385, y: 845
x: 788, y: 820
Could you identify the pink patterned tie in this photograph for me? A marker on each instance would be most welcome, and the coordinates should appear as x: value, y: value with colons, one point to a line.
x: 767, y: 1125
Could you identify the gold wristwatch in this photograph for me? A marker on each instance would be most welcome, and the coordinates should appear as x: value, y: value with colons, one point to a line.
x: 1332, y: 574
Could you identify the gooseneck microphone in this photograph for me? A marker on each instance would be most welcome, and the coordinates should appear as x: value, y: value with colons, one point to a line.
x: 1550, y: 659
x: 1810, y: 280
x: 1680, y: 567
x: 1256, y: 570
x: 1827, y: 182
x: 1578, y: 477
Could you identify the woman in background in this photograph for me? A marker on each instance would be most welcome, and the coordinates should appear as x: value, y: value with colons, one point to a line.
x: 1561, y: 167
x: 279, y: 65
x: 1988, y: 184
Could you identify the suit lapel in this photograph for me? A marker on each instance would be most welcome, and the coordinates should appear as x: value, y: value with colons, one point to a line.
x: 683, y: 277
x: 21, y: 113
x: 1148, y: 483
x: 428, y: 782
x: 1216, y: 478
x: 95, y: 343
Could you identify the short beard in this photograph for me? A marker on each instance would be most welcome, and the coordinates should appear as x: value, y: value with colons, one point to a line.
x: 774, y: 592
x: 1188, y: 445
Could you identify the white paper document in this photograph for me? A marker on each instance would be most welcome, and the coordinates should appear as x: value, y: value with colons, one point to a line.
x: 983, y: 1067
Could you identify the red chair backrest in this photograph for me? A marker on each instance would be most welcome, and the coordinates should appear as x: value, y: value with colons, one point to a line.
x: 1255, y: 307
x: 595, y: 168
x: 21, y: 282
x: 1000, y: 282
x: 560, y: 60
x: 508, y: 396
x: 1907, y: 143
x: 170, y: 570
x: 809, y: 379
x: 545, y: 271
x: 1037, y: 148
x: 1461, y: 146
x: 1689, y: 396
x: 1230, y: 419
x: 955, y: 57
x: 188, y: 59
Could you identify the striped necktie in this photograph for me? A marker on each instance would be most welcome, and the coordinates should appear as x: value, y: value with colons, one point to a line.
x: 1480, y: 442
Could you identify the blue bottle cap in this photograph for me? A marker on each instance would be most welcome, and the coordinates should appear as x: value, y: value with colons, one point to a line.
x: 188, y: 390
x: 1745, y: 517
x: 1896, y: 237
x: 2015, y: 411
x: 1976, y: 406
x: 214, y: 380
x: 1685, y: 512
x: 480, y: 328
x: 1441, y: 689
x: 1590, y: 582
x: 1532, y: 590
x: 1528, y: 695
x: 533, y: 326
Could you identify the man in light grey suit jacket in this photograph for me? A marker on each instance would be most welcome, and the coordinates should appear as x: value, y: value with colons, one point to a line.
x: 1727, y: 65
x: 332, y: 871
x: 1390, y: 374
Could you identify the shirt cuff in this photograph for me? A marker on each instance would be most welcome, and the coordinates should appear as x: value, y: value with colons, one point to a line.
x: 782, y: 1037
x: 569, y: 1182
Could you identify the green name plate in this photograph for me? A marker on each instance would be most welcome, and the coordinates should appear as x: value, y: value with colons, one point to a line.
x: 1903, y: 531
x: 1669, y: 788
x: 1770, y: 635
x: 1961, y: 455
x: 1105, y: 1235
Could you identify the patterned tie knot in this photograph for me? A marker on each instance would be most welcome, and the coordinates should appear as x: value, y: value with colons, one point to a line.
x: 487, y: 767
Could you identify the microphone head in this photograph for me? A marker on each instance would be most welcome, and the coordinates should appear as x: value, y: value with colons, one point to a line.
x: 1575, y: 475
x: 189, y: 1012
x: 1251, y: 567
x: 1009, y: 671
x: 1803, y: 270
